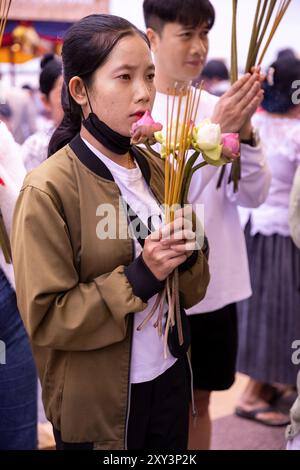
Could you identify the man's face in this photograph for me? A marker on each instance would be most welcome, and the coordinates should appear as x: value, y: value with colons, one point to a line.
x: 180, y: 51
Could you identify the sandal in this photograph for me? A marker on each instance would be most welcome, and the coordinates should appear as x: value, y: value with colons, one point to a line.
x: 252, y: 415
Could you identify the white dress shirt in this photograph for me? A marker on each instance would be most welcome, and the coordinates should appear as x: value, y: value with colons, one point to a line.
x: 228, y: 263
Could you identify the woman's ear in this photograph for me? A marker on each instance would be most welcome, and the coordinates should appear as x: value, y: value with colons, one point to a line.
x: 78, y: 91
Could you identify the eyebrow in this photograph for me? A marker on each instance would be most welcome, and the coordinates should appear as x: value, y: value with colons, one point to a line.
x: 192, y: 28
x: 132, y: 67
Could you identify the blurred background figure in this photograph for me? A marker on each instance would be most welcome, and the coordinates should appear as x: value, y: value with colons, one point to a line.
x: 23, y: 117
x: 6, y: 115
x: 18, y: 384
x: 35, y: 148
x: 269, y: 321
x: 34, y: 152
x: 216, y: 77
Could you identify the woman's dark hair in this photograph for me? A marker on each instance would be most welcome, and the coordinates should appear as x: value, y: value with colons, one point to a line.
x: 51, y: 70
x: 186, y: 12
x: 279, y: 85
x: 69, y: 126
x: 287, y: 53
x: 87, y: 45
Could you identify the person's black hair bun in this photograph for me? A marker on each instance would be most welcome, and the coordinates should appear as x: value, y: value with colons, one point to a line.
x: 46, y: 59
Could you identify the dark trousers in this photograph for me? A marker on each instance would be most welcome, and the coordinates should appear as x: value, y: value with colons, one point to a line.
x: 159, y: 413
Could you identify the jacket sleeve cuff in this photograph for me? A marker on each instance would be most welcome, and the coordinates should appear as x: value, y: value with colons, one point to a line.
x: 189, y: 263
x: 143, y: 282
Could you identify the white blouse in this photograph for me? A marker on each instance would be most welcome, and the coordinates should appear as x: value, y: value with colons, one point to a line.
x: 281, y: 141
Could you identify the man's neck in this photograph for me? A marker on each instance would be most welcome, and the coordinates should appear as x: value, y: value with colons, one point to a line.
x: 166, y: 85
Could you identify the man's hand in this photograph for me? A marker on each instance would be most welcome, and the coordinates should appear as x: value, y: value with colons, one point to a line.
x: 236, y: 107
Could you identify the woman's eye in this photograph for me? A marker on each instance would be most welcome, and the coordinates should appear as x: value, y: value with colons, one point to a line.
x: 151, y: 77
x: 125, y: 76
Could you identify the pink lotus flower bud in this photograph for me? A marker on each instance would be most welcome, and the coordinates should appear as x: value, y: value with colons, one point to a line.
x: 232, y: 142
x: 146, y: 120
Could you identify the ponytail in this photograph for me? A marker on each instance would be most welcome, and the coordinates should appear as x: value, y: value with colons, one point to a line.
x: 70, y: 125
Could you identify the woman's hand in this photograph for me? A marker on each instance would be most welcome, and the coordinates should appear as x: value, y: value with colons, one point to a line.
x: 171, y: 245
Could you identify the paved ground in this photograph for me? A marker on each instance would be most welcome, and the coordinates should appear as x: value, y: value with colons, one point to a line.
x: 233, y: 433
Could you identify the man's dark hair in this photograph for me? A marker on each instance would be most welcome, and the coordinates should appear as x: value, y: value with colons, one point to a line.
x: 189, y: 13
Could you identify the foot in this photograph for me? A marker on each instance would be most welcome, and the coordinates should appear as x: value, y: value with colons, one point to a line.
x: 263, y: 413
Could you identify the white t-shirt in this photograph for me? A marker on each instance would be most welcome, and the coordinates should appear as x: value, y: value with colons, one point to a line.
x: 147, y: 358
x: 228, y: 262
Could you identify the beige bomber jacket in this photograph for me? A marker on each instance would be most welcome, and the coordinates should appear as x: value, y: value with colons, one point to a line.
x: 77, y: 293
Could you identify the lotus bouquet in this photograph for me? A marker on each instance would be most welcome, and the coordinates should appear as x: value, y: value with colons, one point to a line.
x: 182, y: 141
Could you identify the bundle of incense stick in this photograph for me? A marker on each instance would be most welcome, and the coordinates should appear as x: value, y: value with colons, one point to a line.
x: 178, y: 140
x: 4, y: 9
x: 262, y: 20
x: 264, y: 15
x: 182, y: 109
x: 4, y: 240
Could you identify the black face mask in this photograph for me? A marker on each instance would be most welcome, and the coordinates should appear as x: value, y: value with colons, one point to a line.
x: 113, y: 141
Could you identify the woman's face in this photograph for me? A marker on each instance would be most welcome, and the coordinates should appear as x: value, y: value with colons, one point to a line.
x: 122, y: 89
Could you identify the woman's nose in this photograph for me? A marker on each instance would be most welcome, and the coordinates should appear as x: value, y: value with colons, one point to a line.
x: 143, y: 92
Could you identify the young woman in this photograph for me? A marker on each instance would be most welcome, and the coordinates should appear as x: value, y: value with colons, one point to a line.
x: 84, y: 285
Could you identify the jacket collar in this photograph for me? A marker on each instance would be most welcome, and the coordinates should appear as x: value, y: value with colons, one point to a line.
x: 91, y: 161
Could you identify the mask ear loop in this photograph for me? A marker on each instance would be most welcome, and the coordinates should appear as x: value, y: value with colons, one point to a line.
x: 88, y: 98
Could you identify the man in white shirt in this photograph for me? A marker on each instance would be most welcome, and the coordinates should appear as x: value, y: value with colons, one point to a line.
x: 178, y: 33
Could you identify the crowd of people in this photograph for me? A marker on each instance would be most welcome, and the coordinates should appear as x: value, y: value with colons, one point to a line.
x: 72, y: 302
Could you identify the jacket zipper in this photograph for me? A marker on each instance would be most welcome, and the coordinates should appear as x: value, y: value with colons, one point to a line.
x: 194, y: 409
x: 129, y: 370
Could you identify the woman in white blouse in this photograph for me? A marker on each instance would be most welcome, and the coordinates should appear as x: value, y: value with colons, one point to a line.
x: 269, y: 322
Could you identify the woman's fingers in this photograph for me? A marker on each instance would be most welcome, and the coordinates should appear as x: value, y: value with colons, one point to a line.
x: 183, y: 248
x: 178, y: 237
